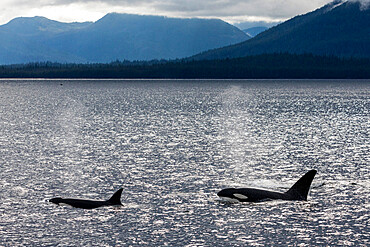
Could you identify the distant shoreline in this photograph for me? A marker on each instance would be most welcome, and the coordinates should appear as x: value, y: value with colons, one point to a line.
x: 267, y: 66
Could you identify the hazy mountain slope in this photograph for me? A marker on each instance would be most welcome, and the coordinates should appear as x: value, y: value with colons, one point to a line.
x: 115, y: 36
x: 339, y: 28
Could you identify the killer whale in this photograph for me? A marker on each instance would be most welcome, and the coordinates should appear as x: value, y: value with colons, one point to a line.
x: 298, y: 191
x: 115, y: 200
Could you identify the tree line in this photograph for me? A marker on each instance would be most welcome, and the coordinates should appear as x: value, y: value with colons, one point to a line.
x: 266, y: 66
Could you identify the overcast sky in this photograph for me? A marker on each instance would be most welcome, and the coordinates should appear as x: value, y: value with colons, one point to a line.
x: 232, y: 11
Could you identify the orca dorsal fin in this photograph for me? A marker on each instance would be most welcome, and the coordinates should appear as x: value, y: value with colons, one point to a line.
x: 299, y: 190
x: 116, y: 198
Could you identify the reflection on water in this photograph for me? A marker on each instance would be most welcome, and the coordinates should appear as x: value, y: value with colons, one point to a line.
x: 172, y: 145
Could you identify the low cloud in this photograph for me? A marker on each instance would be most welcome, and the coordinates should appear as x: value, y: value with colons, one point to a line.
x: 230, y: 10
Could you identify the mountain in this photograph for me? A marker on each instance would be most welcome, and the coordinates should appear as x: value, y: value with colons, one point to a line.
x: 26, y: 26
x: 340, y: 28
x: 26, y: 39
x: 254, y: 31
x: 113, y: 37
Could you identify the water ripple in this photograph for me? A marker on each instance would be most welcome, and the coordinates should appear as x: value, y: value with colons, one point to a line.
x: 172, y: 145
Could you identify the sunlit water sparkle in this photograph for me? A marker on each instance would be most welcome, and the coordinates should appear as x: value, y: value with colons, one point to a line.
x: 172, y: 145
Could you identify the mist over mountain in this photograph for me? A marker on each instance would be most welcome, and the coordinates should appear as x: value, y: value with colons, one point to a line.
x: 254, y: 31
x: 252, y: 24
x: 113, y: 37
x: 340, y: 28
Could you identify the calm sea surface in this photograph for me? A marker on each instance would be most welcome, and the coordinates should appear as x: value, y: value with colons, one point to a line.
x: 172, y: 145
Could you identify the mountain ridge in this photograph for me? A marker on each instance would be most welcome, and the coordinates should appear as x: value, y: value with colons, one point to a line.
x: 114, y: 36
x: 340, y: 28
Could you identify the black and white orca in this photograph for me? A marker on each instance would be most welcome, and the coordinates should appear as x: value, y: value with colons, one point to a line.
x: 298, y: 191
x: 115, y: 200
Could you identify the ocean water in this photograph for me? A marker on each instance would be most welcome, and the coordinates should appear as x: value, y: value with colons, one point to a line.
x: 172, y: 145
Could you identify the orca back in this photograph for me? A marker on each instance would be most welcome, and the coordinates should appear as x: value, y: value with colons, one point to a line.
x: 300, y: 189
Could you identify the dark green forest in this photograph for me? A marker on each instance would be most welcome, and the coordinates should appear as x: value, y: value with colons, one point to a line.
x: 267, y: 66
